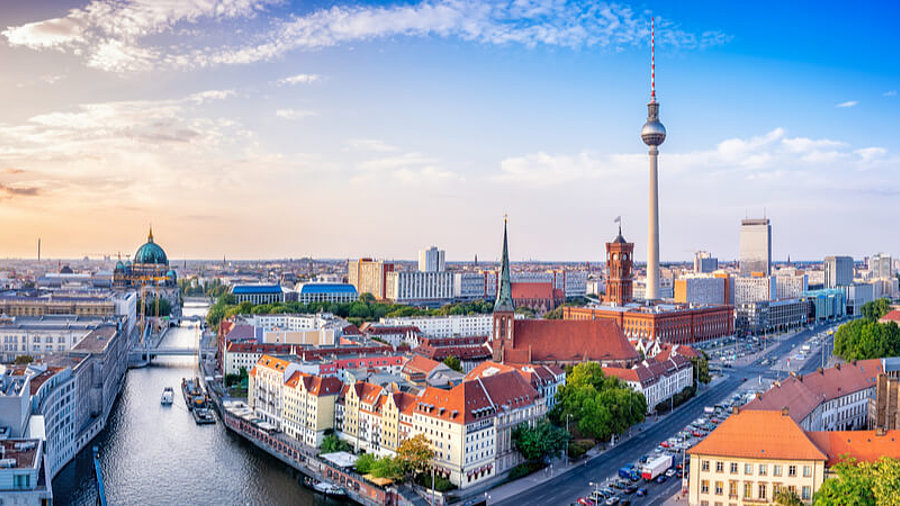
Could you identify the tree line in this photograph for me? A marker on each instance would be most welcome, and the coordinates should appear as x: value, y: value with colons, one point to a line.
x: 865, y: 338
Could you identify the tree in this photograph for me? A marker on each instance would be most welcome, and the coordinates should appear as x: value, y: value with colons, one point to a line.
x: 873, y: 310
x: 701, y: 369
x: 364, y: 463
x: 366, y: 298
x: 599, y: 405
x: 453, y: 363
x: 787, y: 497
x: 414, y: 455
x: 542, y: 440
x: 24, y: 359
x: 150, y: 308
x: 386, y: 467
x: 332, y: 443
x: 864, y: 339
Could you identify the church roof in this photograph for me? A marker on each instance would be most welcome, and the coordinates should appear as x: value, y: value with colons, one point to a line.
x: 150, y: 253
x: 571, y: 341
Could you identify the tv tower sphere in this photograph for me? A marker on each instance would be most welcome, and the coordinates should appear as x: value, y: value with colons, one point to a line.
x: 653, y: 132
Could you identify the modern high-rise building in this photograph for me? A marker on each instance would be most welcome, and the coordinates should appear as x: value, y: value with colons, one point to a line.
x: 368, y: 276
x: 880, y: 267
x: 838, y: 271
x: 754, y: 289
x: 431, y: 260
x: 653, y: 134
x: 790, y: 283
x: 756, y: 247
x: 705, y: 263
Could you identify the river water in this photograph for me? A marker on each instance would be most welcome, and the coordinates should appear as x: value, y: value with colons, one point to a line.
x: 156, y: 455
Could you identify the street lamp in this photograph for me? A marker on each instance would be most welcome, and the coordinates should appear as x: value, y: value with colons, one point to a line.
x: 596, y: 491
x: 568, y: 415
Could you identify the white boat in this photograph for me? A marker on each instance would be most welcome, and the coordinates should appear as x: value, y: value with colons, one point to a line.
x: 168, y: 396
x: 329, y: 489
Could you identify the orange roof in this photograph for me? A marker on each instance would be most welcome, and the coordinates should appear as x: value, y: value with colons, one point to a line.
x: 863, y: 445
x: 570, y: 341
x: 802, y: 394
x: 421, y: 364
x: 276, y: 364
x: 759, y: 435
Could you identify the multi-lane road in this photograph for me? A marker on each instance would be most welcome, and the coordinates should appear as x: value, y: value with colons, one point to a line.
x: 568, y: 487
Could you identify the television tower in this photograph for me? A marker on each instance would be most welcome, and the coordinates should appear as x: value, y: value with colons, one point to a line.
x: 653, y: 134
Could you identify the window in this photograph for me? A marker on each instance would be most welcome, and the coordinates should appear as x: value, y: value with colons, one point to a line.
x: 720, y: 467
x: 792, y: 470
x: 807, y: 471
x: 748, y: 468
x: 776, y: 470
x: 762, y: 469
x: 733, y: 489
x: 734, y: 468
x: 762, y: 491
x: 807, y: 493
x: 704, y: 486
x: 719, y: 487
x: 748, y: 489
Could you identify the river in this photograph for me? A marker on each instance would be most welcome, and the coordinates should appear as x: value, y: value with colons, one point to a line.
x: 151, y: 454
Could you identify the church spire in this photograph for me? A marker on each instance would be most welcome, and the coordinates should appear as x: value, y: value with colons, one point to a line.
x: 150, y: 235
x: 504, y: 291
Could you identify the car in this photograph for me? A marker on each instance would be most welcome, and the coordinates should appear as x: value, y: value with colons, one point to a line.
x: 630, y: 489
x: 658, y: 449
x: 679, y: 473
x: 678, y: 465
x: 743, y: 380
x: 641, y: 492
x: 670, y: 473
x: 644, y: 458
x: 661, y: 478
x: 607, y: 492
x: 698, y: 433
x: 586, y: 501
x: 665, y: 444
x: 616, y: 485
x: 612, y: 500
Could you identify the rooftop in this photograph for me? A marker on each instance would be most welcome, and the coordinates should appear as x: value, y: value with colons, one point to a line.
x: 24, y: 451
x: 256, y: 289
x: 759, y: 435
x: 862, y: 445
x: 315, y: 288
x: 97, y: 340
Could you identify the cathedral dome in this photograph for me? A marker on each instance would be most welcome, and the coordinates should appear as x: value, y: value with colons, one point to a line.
x: 150, y: 253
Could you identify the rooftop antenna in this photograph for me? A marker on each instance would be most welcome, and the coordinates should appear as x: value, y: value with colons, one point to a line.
x: 652, y: 61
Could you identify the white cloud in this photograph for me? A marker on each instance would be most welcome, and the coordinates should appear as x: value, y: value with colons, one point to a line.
x: 292, y: 114
x: 300, y: 79
x: 211, y: 95
x: 370, y: 145
x: 409, y: 168
x: 891, y: 93
x: 122, y: 35
x: 849, y: 103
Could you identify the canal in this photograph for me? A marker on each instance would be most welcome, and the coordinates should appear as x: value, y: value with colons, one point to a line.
x: 157, y: 455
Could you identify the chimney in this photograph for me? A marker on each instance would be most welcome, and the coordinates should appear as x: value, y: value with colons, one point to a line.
x: 794, y: 374
x: 880, y: 431
x: 837, y: 366
x: 820, y: 371
x: 735, y: 410
x: 759, y: 395
x: 784, y: 411
x: 800, y: 378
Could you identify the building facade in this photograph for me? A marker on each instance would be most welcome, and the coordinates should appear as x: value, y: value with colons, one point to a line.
x: 838, y: 271
x: 431, y: 260
x: 369, y: 276
x: 619, y: 259
x: 705, y: 263
x: 756, y: 247
x: 754, y: 289
x: 337, y: 293
x: 412, y: 287
x: 679, y: 324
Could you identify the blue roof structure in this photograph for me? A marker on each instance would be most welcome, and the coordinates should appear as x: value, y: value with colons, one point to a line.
x: 255, y: 289
x: 311, y: 288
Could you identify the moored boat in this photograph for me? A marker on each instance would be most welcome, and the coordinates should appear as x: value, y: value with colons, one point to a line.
x: 168, y: 396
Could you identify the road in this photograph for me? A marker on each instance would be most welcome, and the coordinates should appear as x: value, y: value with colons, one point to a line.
x: 568, y: 487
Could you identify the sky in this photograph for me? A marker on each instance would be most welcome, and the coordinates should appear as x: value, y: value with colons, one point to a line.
x: 285, y: 129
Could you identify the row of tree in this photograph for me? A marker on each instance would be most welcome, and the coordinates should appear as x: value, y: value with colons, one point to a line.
x: 194, y: 287
x: 864, y: 339
x: 151, y: 306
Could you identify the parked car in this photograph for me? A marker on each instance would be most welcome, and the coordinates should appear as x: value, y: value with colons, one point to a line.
x: 612, y: 500
x: 661, y: 478
x: 641, y: 492
x: 586, y: 501
x: 670, y: 473
x: 630, y: 489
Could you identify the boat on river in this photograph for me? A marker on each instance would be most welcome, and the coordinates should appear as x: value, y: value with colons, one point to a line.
x: 168, y: 396
x: 203, y: 416
x: 194, y: 396
x: 324, y: 487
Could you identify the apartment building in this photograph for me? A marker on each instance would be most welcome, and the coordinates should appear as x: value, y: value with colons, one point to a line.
x: 308, y: 406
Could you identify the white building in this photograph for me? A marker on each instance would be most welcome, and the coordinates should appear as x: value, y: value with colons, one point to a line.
x: 431, y: 260
x: 447, y: 326
x: 261, y: 294
x: 754, y: 289
x: 659, y: 381
x: 338, y: 293
x: 701, y: 289
x: 790, y: 283
x: 405, y: 287
x: 475, y: 285
x: 857, y: 295
x: 881, y: 266
x: 43, y: 335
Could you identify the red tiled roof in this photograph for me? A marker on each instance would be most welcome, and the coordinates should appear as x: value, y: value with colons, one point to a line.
x: 803, y: 394
x: 381, y: 331
x: 892, y: 316
x: 463, y: 403
x: 531, y: 290
x: 862, y: 445
x: 759, y: 435
x: 570, y: 341
x: 460, y: 352
x: 419, y: 364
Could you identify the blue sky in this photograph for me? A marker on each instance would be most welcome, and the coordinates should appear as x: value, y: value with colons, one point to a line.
x: 258, y: 128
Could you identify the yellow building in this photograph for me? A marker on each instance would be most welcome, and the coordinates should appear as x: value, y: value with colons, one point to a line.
x: 750, y: 456
x: 307, y: 407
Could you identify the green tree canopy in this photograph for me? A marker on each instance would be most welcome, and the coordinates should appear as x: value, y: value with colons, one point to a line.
x: 542, y: 440
x: 331, y: 443
x: 873, y: 310
x: 864, y: 339
x: 453, y: 363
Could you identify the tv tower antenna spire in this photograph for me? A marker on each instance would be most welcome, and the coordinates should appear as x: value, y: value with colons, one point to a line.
x: 652, y: 61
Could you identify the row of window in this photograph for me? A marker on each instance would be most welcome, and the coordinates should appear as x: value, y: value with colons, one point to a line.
x: 762, y: 490
x: 762, y: 470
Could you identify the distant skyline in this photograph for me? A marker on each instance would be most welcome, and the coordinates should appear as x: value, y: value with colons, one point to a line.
x: 278, y: 129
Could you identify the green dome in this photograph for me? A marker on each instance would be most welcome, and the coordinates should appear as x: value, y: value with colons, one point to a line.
x: 151, y: 253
